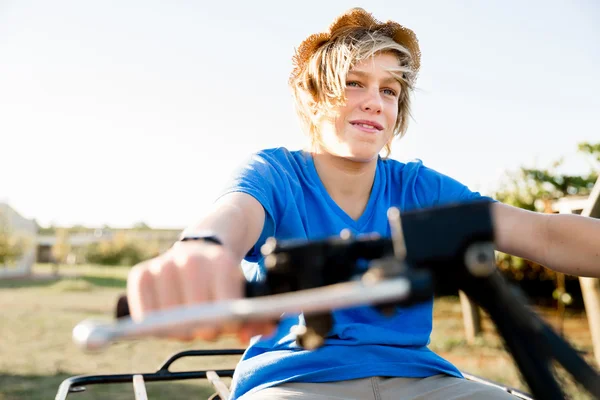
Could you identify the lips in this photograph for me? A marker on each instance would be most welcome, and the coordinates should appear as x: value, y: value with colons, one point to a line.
x: 367, y: 125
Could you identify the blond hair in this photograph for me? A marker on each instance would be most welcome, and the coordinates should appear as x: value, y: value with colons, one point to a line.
x: 319, y: 87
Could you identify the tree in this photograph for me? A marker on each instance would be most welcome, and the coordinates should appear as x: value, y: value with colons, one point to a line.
x: 61, y: 248
x: 141, y: 226
x: 593, y: 150
x: 47, y: 230
x: 119, y: 250
x: 11, y: 246
x: 526, y: 185
x: 534, y: 189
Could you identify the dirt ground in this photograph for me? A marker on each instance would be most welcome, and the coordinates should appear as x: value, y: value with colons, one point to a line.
x: 37, y: 353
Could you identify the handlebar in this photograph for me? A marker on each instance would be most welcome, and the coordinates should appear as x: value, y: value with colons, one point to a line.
x: 450, y: 245
x: 93, y: 335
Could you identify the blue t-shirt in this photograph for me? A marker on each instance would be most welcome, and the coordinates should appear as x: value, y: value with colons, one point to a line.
x: 363, y: 342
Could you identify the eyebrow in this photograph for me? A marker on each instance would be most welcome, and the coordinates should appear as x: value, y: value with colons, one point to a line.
x: 362, y: 74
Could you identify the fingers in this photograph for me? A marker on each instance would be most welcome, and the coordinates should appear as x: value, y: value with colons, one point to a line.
x: 187, y: 274
x: 196, y: 284
x: 254, y: 328
x: 141, y: 295
x: 192, y: 274
x: 229, y: 285
x: 168, y: 288
x: 193, y: 282
x: 166, y: 282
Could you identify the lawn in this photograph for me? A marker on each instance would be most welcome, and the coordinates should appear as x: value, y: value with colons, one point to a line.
x: 36, y: 352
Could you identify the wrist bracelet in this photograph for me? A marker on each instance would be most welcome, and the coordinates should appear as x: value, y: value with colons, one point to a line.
x: 203, y: 236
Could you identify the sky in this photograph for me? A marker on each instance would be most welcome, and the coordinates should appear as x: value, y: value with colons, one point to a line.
x: 116, y: 112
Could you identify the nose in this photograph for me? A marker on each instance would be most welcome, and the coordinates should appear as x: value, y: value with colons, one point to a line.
x: 372, y: 102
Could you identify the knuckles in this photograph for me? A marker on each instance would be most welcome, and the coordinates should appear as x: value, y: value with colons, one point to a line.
x: 194, y: 262
x: 140, y: 276
x: 187, y: 259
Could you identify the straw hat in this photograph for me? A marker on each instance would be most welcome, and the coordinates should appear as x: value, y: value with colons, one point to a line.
x: 357, y: 18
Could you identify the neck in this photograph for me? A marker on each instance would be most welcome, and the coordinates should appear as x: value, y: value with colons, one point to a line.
x: 348, y: 182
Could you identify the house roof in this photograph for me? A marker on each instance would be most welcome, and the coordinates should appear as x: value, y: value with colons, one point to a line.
x: 17, y: 222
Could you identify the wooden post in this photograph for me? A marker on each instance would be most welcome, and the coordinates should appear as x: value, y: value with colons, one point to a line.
x: 590, y: 287
x: 471, y: 317
x: 218, y: 384
x: 139, y: 388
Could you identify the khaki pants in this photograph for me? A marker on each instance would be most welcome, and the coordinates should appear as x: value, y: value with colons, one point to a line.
x: 438, y: 387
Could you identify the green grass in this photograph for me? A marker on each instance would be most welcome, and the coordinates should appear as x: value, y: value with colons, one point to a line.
x: 105, y: 277
x: 37, y: 353
x: 38, y: 315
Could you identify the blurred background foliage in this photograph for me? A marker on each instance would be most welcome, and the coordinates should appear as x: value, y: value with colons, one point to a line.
x: 121, y: 250
x: 12, y: 245
x: 536, y: 189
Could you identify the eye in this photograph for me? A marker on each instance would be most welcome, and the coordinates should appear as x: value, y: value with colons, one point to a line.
x: 390, y: 92
x: 352, y: 84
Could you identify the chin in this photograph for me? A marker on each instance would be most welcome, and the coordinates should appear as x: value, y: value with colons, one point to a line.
x: 361, y: 155
x: 358, y: 151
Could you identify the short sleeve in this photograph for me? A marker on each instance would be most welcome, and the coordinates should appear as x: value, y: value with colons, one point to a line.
x: 263, y: 178
x: 433, y: 188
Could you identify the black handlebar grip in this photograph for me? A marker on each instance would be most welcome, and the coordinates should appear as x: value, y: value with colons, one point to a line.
x: 122, y: 308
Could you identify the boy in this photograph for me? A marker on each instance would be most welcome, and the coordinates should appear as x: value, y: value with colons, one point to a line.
x: 352, y: 88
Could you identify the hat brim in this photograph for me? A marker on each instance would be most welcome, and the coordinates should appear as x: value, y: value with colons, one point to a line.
x: 357, y: 18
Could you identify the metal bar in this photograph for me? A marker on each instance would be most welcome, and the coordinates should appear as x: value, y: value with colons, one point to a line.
x: 69, y: 384
x: 395, y: 222
x: 522, y: 330
x: 572, y: 362
x: 92, y: 335
x: 139, y: 388
x: 218, y: 384
x: 513, y: 391
x: 198, y: 353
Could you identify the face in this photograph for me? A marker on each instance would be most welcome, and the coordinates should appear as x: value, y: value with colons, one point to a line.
x: 361, y: 128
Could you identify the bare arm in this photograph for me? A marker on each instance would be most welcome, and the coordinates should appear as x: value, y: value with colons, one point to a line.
x: 237, y: 219
x: 194, y: 272
x: 563, y: 242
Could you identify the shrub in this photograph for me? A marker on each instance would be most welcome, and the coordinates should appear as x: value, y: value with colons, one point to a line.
x: 119, y: 250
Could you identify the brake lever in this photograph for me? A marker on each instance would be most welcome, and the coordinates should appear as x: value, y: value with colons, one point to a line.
x: 94, y: 335
x: 122, y: 306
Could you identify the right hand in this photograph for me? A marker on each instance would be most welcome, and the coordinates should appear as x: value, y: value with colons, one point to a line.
x: 190, y: 273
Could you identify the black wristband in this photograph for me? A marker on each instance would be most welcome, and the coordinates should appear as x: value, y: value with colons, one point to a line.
x: 203, y: 236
